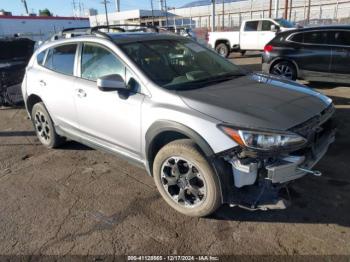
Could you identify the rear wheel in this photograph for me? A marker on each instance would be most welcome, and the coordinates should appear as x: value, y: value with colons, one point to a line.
x: 223, y: 49
x: 186, y: 180
x: 284, y: 69
x: 44, y: 127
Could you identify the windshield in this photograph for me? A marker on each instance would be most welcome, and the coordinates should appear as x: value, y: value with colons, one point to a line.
x: 180, y: 64
x: 285, y: 23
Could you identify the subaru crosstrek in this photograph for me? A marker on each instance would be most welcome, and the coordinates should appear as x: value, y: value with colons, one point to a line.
x: 207, y: 131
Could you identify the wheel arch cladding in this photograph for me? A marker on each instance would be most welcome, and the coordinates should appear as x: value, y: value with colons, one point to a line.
x: 31, y: 101
x: 162, y: 132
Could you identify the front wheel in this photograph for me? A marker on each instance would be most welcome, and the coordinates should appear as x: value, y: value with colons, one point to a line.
x: 284, y: 69
x: 186, y: 180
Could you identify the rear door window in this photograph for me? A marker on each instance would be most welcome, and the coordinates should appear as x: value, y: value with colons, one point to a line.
x: 61, y: 59
x: 341, y: 38
x: 316, y: 37
x: 251, y: 26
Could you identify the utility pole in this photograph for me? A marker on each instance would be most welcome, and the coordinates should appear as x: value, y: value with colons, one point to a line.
x: 213, y: 2
x: 105, y: 2
x: 270, y: 9
x: 308, y: 12
x: 117, y: 5
x: 25, y: 6
x: 223, y: 14
x: 290, y: 9
x: 285, y: 9
x: 276, y: 8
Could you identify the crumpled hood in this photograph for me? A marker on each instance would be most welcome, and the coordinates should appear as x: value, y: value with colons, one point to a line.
x: 257, y: 101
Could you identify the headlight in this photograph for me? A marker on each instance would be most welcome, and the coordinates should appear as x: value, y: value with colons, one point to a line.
x: 263, y: 140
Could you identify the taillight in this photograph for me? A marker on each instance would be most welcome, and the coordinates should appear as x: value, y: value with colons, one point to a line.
x: 268, y: 48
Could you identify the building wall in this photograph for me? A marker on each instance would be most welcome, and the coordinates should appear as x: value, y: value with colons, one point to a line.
x: 37, y: 28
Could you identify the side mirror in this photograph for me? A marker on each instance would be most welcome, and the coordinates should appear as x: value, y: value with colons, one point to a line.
x: 111, y: 83
x: 273, y: 28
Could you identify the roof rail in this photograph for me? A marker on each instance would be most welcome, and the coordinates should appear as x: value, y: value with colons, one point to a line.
x: 78, y: 31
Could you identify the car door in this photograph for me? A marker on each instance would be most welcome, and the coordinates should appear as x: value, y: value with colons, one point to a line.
x: 265, y: 35
x: 108, y: 118
x: 340, y: 44
x: 249, y: 36
x: 56, y: 81
x: 314, y: 56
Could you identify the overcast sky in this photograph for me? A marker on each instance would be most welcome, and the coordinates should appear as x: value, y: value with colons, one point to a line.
x: 65, y: 7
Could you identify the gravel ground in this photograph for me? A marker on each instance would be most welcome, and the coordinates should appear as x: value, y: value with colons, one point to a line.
x: 79, y: 201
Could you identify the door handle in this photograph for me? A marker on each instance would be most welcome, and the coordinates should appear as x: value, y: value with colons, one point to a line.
x: 81, y: 93
x: 42, y: 83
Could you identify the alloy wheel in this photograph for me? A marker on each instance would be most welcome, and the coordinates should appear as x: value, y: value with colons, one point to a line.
x: 183, y: 182
x: 42, y: 127
x: 283, y: 70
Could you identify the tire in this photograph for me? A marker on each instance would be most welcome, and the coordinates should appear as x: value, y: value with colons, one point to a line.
x: 223, y: 50
x: 44, y: 127
x: 201, y: 195
x: 284, y: 69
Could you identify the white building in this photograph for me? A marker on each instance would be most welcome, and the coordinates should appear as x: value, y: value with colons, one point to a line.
x: 38, y: 27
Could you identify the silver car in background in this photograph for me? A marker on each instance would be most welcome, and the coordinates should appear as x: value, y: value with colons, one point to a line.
x: 208, y: 132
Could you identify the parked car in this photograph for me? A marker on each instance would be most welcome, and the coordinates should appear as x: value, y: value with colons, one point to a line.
x: 314, y: 54
x: 253, y: 35
x: 14, y: 57
x: 208, y: 132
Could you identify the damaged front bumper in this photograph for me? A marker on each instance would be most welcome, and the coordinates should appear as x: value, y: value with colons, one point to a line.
x: 258, y: 181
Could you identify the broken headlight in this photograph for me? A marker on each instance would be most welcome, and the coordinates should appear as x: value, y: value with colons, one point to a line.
x: 263, y: 140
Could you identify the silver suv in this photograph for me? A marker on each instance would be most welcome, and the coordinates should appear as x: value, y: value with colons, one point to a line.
x: 208, y: 132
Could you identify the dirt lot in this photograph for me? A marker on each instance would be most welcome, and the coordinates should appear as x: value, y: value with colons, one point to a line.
x: 76, y: 200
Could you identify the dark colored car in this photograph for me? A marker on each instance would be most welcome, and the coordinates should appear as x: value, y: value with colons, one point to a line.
x: 314, y: 54
x: 14, y: 58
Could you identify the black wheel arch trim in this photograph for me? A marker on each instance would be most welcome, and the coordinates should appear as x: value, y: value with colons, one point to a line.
x: 165, y: 126
x: 221, y: 168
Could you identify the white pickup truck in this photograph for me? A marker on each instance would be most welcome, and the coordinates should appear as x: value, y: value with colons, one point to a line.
x: 253, y: 35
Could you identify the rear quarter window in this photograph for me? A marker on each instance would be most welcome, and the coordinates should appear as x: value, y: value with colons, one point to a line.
x: 40, y: 57
x: 298, y: 38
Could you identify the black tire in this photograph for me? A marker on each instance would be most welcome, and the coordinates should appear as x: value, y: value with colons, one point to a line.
x: 44, y: 127
x: 284, y: 69
x: 203, y: 179
x: 223, y: 50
